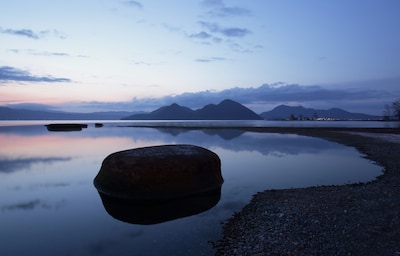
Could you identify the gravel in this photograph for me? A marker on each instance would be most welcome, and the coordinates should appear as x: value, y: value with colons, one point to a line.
x: 358, y: 219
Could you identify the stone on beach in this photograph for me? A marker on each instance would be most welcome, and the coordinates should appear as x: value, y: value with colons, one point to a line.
x: 159, y: 172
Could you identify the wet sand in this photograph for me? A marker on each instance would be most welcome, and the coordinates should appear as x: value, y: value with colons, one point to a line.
x: 358, y: 219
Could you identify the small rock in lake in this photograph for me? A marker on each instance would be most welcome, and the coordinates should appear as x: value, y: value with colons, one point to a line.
x: 67, y: 127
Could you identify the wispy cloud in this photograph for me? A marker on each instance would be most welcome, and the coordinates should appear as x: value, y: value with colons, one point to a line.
x: 39, y: 53
x: 212, y: 59
x: 234, y: 32
x: 58, y: 54
x: 220, y: 10
x: 148, y: 63
x: 45, y: 53
x: 212, y: 3
x: 226, y: 31
x: 216, y: 34
x: 206, y: 38
x: 212, y: 32
x: 201, y: 35
x: 32, y: 34
x: 229, y: 11
x: 13, y: 74
x: 171, y: 28
x: 21, y: 32
x: 135, y: 4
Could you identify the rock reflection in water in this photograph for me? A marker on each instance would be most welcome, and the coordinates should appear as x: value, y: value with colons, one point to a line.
x: 147, y: 212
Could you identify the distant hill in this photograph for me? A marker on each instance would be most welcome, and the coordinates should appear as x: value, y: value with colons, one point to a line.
x: 225, y: 110
x: 284, y: 112
x: 26, y: 114
x: 172, y: 112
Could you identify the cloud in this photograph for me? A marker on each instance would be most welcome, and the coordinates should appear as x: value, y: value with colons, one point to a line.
x: 234, y: 32
x: 32, y: 34
x: 201, y: 35
x: 229, y: 11
x: 205, y: 37
x: 171, y: 28
x: 212, y: 59
x: 147, y: 63
x: 226, y: 31
x: 220, y: 10
x: 13, y: 74
x: 135, y: 4
x: 58, y: 54
x: 212, y: 3
x: 44, y: 53
x: 213, y: 32
x: 21, y: 32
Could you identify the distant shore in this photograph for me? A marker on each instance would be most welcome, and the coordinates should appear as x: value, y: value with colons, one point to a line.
x: 358, y: 219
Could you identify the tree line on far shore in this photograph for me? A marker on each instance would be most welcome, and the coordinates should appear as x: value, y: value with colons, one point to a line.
x: 392, y: 111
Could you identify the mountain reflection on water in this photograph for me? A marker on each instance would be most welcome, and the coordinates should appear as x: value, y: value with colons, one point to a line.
x: 46, y: 187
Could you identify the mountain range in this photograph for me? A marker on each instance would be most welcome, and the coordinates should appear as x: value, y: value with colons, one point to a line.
x: 225, y: 110
x: 7, y: 113
x: 284, y: 112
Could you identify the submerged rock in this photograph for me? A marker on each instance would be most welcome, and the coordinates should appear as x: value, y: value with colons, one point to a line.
x: 159, y: 173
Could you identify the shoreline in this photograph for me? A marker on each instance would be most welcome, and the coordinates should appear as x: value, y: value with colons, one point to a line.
x: 355, y: 219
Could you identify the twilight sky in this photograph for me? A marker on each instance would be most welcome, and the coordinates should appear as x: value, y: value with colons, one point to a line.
x: 97, y: 55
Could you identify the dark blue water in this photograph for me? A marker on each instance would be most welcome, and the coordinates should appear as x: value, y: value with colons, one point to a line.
x: 49, y: 206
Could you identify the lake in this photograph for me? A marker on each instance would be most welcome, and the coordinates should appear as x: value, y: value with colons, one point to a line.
x: 49, y: 206
x: 225, y: 123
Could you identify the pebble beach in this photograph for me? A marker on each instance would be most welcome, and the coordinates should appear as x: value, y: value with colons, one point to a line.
x: 355, y: 219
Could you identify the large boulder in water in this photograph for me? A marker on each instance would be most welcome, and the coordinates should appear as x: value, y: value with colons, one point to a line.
x: 159, y: 173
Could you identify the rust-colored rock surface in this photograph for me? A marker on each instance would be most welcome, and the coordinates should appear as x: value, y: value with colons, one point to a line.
x: 159, y: 172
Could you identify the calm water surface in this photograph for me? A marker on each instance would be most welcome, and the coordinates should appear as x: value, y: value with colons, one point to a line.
x: 49, y: 206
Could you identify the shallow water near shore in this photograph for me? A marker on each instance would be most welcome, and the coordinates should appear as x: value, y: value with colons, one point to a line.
x: 49, y: 206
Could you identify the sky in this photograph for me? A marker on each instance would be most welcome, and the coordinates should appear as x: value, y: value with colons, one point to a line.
x: 113, y: 55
